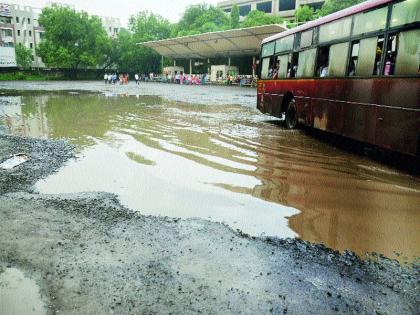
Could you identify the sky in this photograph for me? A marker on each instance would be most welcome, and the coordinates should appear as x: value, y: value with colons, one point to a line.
x: 123, y: 9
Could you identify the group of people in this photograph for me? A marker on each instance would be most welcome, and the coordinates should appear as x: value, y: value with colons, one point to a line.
x: 182, y: 78
x: 122, y: 78
x: 113, y: 78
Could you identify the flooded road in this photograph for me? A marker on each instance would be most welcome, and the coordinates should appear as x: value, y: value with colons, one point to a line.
x: 206, y: 152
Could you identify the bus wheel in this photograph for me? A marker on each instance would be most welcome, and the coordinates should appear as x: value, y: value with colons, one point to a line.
x: 291, y: 115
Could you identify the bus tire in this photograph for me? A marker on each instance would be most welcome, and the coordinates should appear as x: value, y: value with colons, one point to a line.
x: 291, y: 120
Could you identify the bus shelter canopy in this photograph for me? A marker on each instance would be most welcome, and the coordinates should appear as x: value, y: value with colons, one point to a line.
x: 237, y: 42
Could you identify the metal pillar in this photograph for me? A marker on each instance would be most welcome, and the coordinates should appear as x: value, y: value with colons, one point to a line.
x: 208, y: 66
x: 161, y: 60
x: 190, y: 66
x: 253, y: 66
x: 229, y: 62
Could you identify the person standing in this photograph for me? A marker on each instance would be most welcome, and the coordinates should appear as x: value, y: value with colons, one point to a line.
x: 106, y: 78
x: 136, y: 77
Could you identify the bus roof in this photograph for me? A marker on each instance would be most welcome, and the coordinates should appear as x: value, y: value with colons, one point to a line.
x: 329, y: 18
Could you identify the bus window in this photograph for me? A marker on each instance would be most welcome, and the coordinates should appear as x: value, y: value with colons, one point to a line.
x: 267, y: 49
x: 285, y: 43
x: 306, y: 63
x: 338, y: 60
x: 335, y: 30
x: 353, y: 58
x: 378, y: 56
x: 367, y: 55
x: 283, y: 66
x: 293, y: 66
x: 408, y: 57
x: 322, y: 61
x: 405, y: 12
x: 265, y: 68
x: 306, y: 39
x: 370, y: 21
x: 391, y: 54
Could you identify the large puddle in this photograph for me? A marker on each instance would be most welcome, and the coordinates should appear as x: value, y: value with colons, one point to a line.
x: 226, y: 163
x: 18, y: 294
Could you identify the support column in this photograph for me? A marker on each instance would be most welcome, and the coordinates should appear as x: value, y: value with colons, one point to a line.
x: 174, y: 63
x: 253, y: 66
x: 161, y: 60
x: 190, y: 66
x: 208, y: 66
x: 229, y: 62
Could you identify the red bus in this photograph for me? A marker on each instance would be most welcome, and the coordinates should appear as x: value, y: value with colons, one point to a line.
x: 354, y: 73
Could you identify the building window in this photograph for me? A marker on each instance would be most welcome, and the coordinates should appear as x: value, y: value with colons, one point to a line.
x: 227, y: 10
x: 315, y: 6
x: 30, y: 33
x: 115, y: 30
x: 31, y: 45
x: 18, y: 32
x: 29, y: 21
x: 17, y: 19
x: 244, y: 10
x: 286, y: 5
x: 5, y: 20
x: 265, y: 7
x: 6, y: 33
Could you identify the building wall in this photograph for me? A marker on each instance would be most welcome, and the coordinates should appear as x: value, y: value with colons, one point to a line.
x: 111, y: 25
x: 19, y: 25
x: 283, y: 8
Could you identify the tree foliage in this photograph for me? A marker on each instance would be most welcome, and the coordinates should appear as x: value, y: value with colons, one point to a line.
x: 234, y: 17
x: 72, y: 40
x: 257, y: 18
x: 201, y: 18
x: 143, y: 27
x: 331, y: 6
x: 304, y: 14
x: 23, y: 56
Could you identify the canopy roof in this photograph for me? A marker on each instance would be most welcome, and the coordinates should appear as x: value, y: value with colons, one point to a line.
x: 237, y: 42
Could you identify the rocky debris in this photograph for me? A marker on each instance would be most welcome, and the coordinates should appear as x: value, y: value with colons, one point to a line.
x: 46, y: 157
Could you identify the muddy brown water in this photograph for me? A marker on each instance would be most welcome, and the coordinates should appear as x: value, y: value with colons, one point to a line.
x: 226, y: 163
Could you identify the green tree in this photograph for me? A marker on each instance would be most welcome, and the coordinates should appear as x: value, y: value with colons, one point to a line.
x: 234, y: 17
x: 331, y: 6
x: 23, y: 56
x: 257, y: 18
x: 201, y: 18
x: 304, y: 14
x: 143, y: 27
x: 72, y: 40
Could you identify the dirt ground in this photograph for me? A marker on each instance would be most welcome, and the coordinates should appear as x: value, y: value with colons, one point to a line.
x: 90, y: 255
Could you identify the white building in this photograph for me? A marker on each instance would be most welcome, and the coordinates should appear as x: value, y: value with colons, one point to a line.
x: 7, y: 38
x: 284, y: 8
x: 19, y: 25
x: 111, y: 25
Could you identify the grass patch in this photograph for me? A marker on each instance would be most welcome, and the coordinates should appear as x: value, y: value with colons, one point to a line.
x: 22, y: 76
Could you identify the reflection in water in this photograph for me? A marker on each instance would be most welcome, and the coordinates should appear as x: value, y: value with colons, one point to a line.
x: 226, y: 163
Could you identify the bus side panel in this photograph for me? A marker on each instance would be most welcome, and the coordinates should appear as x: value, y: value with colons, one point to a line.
x: 359, y: 110
x: 326, y: 112
x: 397, y: 130
x: 277, y: 90
x: 359, y: 122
